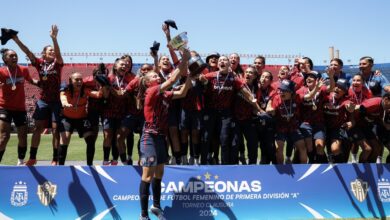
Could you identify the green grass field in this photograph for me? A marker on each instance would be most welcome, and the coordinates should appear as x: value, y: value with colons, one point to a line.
x: 76, y: 150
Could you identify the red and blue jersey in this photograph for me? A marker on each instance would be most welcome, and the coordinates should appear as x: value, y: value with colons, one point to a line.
x: 263, y: 96
x: 311, y: 110
x: 156, y: 110
x: 221, y: 90
x: 373, y: 109
x: 50, y: 79
x: 94, y: 104
x: 335, y: 112
x: 13, y: 100
x: 242, y: 109
x: 286, y: 114
x: 116, y: 106
x: 133, y: 88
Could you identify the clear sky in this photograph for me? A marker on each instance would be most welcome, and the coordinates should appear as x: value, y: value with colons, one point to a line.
x: 307, y: 27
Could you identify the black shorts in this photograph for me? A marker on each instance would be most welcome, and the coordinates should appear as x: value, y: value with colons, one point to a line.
x: 190, y: 119
x: 134, y: 123
x: 112, y: 123
x: 47, y: 111
x: 19, y: 117
x: 95, y: 117
x: 82, y: 125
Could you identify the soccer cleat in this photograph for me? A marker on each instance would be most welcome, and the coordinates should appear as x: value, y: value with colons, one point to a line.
x: 157, y: 212
x: 54, y: 163
x: 196, y: 161
x: 31, y: 162
x: 172, y: 160
x: 106, y: 163
x: 191, y: 161
x: 241, y: 158
x: 144, y: 218
x: 20, y: 162
x: 114, y: 162
x: 184, y: 160
x: 129, y: 162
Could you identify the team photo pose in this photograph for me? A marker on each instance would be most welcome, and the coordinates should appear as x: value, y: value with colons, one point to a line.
x: 284, y: 107
x: 311, y: 98
x: 47, y: 108
x: 74, y: 100
x: 221, y: 86
x: 13, y: 102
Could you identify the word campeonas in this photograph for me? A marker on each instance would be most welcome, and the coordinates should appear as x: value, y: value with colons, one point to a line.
x: 211, y: 186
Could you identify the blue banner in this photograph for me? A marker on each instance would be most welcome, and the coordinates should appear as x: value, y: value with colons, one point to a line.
x: 198, y: 192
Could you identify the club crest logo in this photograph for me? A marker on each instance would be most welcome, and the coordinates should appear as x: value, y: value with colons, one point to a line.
x: 46, y: 192
x: 359, y: 189
x: 384, y: 190
x: 19, y: 195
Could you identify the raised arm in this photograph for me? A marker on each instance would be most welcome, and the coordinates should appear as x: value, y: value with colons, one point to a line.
x: 183, y: 90
x: 156, y: 68
x: 167, y: 32
x: 310, y: 95
x: 53, y: 35
x: 25, y: 49
x: 181, y: 69
x: 332, y: 83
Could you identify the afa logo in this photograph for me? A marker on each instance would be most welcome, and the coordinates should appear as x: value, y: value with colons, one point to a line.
x: 359, y: 189
x: 384, y: 190
x: 19, y: 195
x: 46, y: 192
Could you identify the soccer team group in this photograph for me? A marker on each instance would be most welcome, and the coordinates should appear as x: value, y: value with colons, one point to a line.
x: 313, y: 114
x: 221, y: 114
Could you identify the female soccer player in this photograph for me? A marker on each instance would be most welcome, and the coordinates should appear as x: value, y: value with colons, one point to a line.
x: 74, y: 100
x: 153, y: 144
x: 284, y: 107
x: 221, y: 87
x: 361, y: 131
x: 12, y: 102
x: 48, y: 106
x: 311, y: 97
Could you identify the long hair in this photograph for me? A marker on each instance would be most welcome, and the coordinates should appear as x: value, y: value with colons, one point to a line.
x: 140, y: 98
x: 100, y: 69
x: 127, y: 56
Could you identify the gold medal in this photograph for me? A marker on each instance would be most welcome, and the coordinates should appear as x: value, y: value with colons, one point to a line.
x: 44, y: 78
x: 13, y: 87
x: 314, y: 107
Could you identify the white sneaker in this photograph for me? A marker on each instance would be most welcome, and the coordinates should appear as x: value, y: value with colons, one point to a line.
x: 172, y: 160
x: 144, y: 218
x: 20, y: 162
x: 196, y: 161
x: 106, y: 163
x: 157, y: 212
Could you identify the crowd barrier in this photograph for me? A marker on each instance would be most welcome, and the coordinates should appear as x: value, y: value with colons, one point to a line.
x: 198, y: 192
